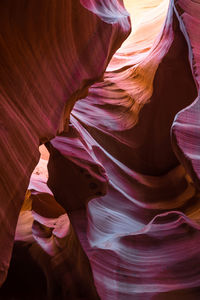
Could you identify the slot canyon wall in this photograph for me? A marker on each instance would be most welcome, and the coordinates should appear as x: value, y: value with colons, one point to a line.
x: 116, y: 215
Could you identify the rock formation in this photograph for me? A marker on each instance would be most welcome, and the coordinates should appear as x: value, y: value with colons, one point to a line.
x: 50, y: 52
x: 119, y: 218
x: 139, y: 231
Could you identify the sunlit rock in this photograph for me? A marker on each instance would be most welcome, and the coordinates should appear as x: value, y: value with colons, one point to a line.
x: 137, y: 235
x: 111, y: 210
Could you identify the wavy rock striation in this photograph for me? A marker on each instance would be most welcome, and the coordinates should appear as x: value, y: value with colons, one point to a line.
x: 186, y: 125
x: 142, y: 236
x: 124, y: 166
x: 50, y: 52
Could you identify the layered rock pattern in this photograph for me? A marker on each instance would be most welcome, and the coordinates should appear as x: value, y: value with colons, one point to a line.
x: 44, y: 233
x: 125, y: 166
x: 50, y: 53
x: 186, y: 125
x: 142, y: 237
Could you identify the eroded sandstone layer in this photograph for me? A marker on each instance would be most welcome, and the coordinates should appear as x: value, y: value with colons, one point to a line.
x: 142, y: 236
x: 50, y: 53
x: 117, y: 215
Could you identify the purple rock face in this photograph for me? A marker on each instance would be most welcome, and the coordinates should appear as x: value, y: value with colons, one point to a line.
x: 117, y: 216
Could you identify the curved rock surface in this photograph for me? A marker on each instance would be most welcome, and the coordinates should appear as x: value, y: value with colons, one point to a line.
x: 186, y: 125
x: 47, y: 61
x: 124, y: 168
x: 142, y: 237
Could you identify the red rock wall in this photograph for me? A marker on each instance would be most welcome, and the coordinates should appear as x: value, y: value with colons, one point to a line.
x: 50, y: 52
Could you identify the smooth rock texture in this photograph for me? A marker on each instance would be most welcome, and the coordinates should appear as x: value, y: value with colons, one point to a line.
x: 117, y: 216
x: 50, y: 248
x: 50, y: 53
x: 186, y: 125
x: 142, y: 237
